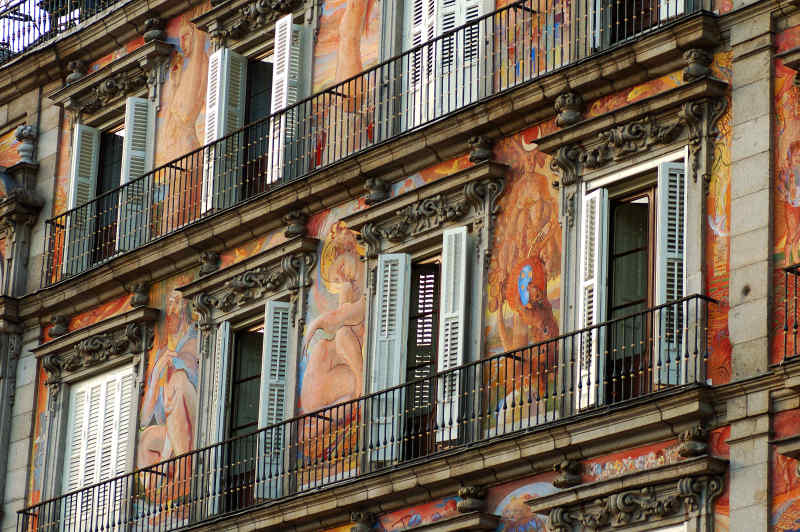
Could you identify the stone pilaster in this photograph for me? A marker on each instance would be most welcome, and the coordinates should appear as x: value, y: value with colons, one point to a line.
x: 751, y: 196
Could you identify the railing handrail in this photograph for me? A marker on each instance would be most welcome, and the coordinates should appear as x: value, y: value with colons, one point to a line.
x: 266, y: 120
x: 372, y: 395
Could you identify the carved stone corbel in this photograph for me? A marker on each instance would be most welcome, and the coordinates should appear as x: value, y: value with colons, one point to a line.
x: 201, y: 305
x: 473, y: 499
x: 26, y: 135
x: 698, y: 63
x: 701, y: 119
x: 140, y: 294
x: 480, y: 147
x: 77, y: 69
x: 377, y: 190
x: 209, y: 262
x: 693, y: 442
x: 569, y: 474
x: 154, y: 30
x: 566, y: 163
x: 295, y: 222
x: 362, y: 521
x: 569, y: 109
x: 370, y: 237
x: 60, y: 326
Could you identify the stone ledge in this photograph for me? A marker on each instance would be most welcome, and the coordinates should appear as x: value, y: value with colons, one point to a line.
x: 473, y: 521
x: 506, y: 458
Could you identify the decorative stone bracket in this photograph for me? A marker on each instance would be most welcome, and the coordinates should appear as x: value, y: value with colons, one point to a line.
x: 140, y: 70
x: 468, y: 195
x: 94, y: 349
x: 256, y: 278
x: 663, y: 496
x: 689, y: 112
x: 237, y: 20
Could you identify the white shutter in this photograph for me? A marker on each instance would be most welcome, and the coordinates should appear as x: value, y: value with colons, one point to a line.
x: 288, y: 73
x: 219, y: 389
x: 452, y: 330
x: 420, y: 100
x: 272, y: 403
x: 225, y: 105
x: 670, y: 8
x: 100, y: 428
x: 82, y: 187
x: 670, y: 271
x: 133, y: 221
x: 591, y: 297
x: 388, y: 363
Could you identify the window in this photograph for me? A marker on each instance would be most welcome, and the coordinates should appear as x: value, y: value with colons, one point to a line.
x: 101, y: 162
x: 622, y: 19
x: 253, y: 378
x: 446, y: 75
x: 100, y: 428
x: 420, y: 321
x: 632, y: 258
x: 240, y: 92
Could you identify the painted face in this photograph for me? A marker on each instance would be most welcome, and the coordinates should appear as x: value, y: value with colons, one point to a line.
x: 174, y: 313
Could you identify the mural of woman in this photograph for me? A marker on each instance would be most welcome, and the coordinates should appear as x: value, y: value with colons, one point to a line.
x: 789, y: 192
x: 170, y: 404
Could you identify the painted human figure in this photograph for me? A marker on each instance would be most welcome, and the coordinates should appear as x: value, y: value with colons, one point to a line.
x: 169, y: 408
x: 789, y: 190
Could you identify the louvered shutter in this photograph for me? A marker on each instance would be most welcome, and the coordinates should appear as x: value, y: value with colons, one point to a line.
x: 420, y: 100
x: 291, y: 126
x: 82, y: 188
x: 133, y: 220
x: 452, y: 331
x: 225, y: 106
x: 670, y: 271
x: 219, y: 390
x: 473, y: 51
x: 591, y: 298
x: 670, y: 8
x: 388, y: 362
x: 272, y: 403
x: 99, y: 426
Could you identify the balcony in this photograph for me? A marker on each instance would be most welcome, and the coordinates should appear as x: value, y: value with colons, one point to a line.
x: 462, y: 68
x: 26, y: 24
x: 639, y: 358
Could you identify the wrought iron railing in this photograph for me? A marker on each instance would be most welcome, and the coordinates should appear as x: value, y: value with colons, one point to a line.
x: 25, y: 24
x: 657, y: 351
x: 462, y: 67
x: 791, y: 311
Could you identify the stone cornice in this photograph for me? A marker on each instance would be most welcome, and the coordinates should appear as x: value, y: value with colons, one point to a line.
x: 20, y: 206
x: 125, y: 76
x: 9, y: 315
x: 88, y: 42
x: 674, y: 492
x: 457, y: 197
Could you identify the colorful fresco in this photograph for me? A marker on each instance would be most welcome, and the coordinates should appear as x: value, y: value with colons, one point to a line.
x: 717, y: 237
x: 719, y: 448
x: 509, y: 502
x: 9, y: 156
x: 423, y: 514
x: 785, y: 509
x: 786, y: 143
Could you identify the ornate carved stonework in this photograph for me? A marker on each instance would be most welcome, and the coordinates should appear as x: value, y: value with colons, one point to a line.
x: 26, y: 135
x: 295, y: 222
x: 154, y: 30
x: 698, y: 63
x: 694, y: 442
x: 569, y: 474
x: 60, y: 326
x: 473, y: 499
x: 209, y: 262
x: 377, y: 190
x: 634, y: 137
x: 362, y: 521
x: 480, y: 148
x: 701, y: 119
x: 77, y: 69
x: 569, y: 109
x: 134, y: 338
x: 141, y: 294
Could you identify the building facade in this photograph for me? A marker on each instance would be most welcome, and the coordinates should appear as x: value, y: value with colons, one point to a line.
x: 350, y: 265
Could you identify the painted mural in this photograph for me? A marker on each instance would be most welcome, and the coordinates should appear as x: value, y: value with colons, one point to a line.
x: 9, y: 156
x: 786, y: 143
x: 785, y: 477
x: 719, y: 448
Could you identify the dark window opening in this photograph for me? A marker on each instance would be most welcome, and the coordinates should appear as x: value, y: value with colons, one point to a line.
x: 257, y: 108
x: 108, y: 178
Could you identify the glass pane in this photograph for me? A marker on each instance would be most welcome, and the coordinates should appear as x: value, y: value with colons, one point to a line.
x: 630, y: 225
x: 246, y: 402
x: 630, y: 278
x: 248, y: 355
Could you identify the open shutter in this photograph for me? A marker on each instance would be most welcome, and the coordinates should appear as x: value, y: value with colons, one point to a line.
x: 670, y: 271
x: 100, y: 428
x: 272, y: 404
x: 225, y: 105
x: 288, y: 129
x: 388, y: 363
x: 133, y: 220
x: 219, y: 390
x: 452, y: 331
x: 474, y: 51
x: 591, y: 299
x: 82, y: 187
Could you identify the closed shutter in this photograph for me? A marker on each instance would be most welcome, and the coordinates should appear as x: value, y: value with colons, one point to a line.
x: 388, y: 362
x: 219, y: 390
x: 225, y: 106
x: 272, y: 411
x: 82, y: 186
x: 133, y: 220
x: 591, y: 298
x: 288, y: 129
x: 452, y: 331
x: 670, y: 271
x: 420, y: 98
x: 100, y: 428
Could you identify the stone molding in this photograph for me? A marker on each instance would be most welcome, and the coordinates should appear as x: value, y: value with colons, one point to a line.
x: 467, y: 195
x: 569, y: 109
x: 689, y: 112
x: 661, y: 496
x: 93, y: 349
x: 791, y: 59
x: 93, y: 94
x: 19, y: 207
x: 256, y: 278
x: 238, y: 20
